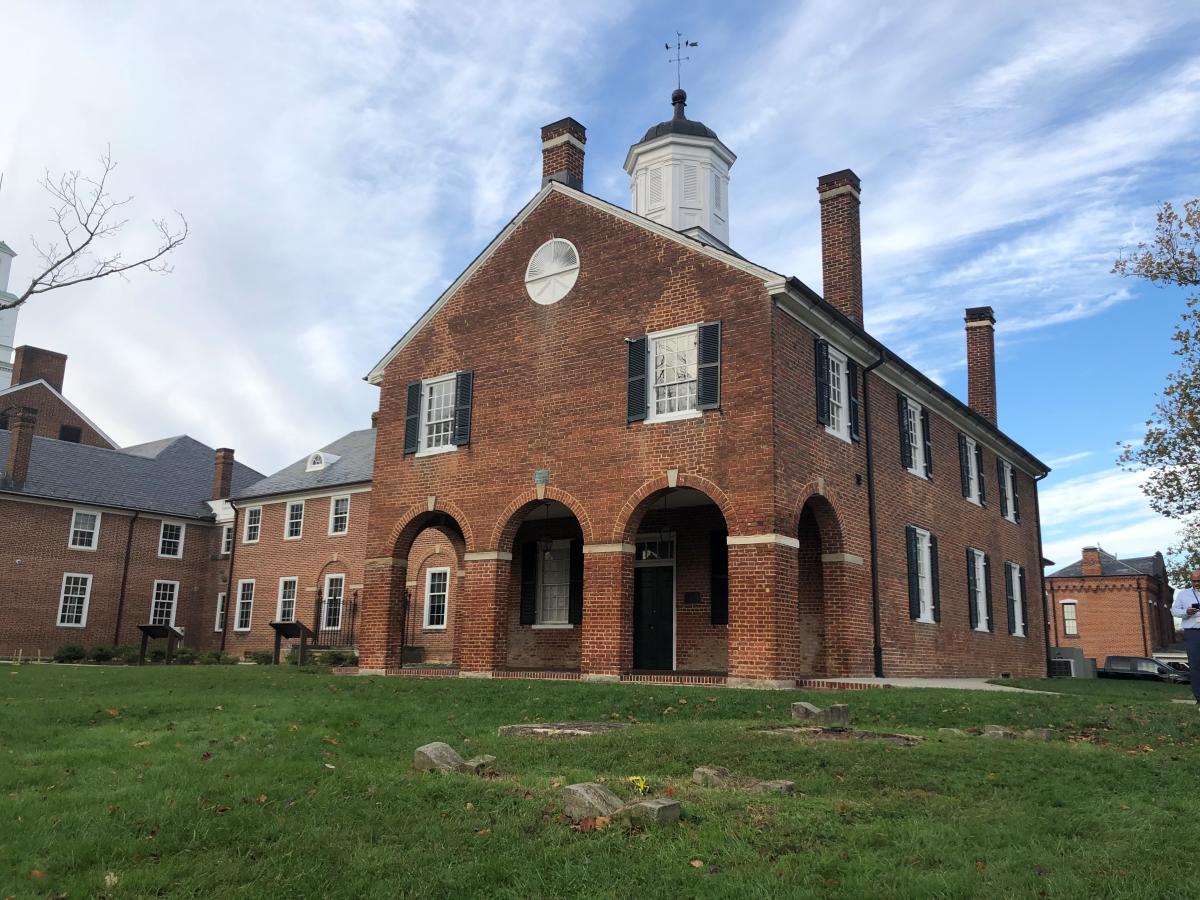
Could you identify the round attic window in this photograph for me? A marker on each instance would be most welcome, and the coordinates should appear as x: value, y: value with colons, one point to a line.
x: 552, y: 271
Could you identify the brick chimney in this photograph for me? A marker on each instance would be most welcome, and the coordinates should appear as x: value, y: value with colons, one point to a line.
x: 1091, y: 561
x: 222, y: 474
x: 981, y: 361
x: 21, y: 422
x: 841, y: 243
x: 32, y: 363
x: 562, y: 152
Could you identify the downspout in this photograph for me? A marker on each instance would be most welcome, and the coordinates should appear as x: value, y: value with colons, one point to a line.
x: 1142, y: 617
x: 124, y: 581
x: 1037, y: 509
x: 230, y: 589
x: 876, y: 626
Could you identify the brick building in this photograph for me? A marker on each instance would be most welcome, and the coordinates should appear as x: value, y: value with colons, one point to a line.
x: 95, y: 540
x: 297, y: 539
x: 1111, y: 607
x: 37, y: 383
x: 636, y: 454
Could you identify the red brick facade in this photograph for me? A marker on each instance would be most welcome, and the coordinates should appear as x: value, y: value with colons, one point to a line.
x: 53, y: 413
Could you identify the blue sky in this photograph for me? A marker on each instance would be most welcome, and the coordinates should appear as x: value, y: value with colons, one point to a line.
x: 340, y: 164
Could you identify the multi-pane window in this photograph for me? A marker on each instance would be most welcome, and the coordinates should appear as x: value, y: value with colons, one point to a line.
x: 294, y: 521
x: 653, y: 548
x: 334, y: 589
x: 1015, y: 588
x: 838, y: 420
x: 1010, y: 504
x: 226, y: 540
x: 912, y: 434
x: 339, y: 515
x: 219, y: 622
x: 554, y: 582
x: 245, y: 605
x: 972, y: 475
x: 73, y: 600
x: 1070, y: 622
x: 437, y: 414
x: 922, y: 574
x: 170, y: 540
x: 437, y: 587
x: 286, y: 610
x: 162, y: 607
x: 253, y: 525
x: 85, y: 530
x: 977, y: 582
x: 673, y: 388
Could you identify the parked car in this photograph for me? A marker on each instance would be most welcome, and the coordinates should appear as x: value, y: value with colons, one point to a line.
x: 1142, y: 667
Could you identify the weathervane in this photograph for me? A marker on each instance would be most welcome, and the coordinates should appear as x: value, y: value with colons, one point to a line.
x: 680, y: 46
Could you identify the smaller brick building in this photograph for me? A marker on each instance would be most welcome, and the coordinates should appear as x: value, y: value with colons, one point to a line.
x: 38, y: 377
x: 1111, y: 607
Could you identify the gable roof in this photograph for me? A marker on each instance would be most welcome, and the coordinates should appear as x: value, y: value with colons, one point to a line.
x: 13, y: 389
x: 355, y: 465
x: 171, y: 477
x: 786, y: 291
x: 1110, y: 565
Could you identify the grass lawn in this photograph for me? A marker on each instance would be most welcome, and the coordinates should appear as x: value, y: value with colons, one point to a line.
x: 260, y: 782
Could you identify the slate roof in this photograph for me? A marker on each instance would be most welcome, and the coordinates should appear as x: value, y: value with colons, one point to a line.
x: 355, y: 464
x: 1110, y: 565
x: 172, y: 476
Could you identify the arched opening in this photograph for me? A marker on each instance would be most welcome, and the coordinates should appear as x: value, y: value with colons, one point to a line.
x: 680, y: 602
x: 433, y: 546
x: 543, y: 614
x: 820, y: 541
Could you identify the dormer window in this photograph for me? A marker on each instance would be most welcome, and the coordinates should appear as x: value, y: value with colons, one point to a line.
x: 320, y: 460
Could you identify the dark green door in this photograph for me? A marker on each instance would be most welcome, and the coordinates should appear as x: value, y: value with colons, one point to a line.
x: 653, y: 617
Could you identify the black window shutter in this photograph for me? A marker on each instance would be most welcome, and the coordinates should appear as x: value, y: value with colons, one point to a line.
x: 718, y: 560
x: 1024, y: 604
x: 934, y: 579
x: 464, y: 388
x: 972, y: 588
x: 914, y: 577
x: 822, y: 372
x: 927, y: 442
x: 635, y: 390
x: 979, y: 475
x: 708, y: 366
x: 852, y: 396
x: 964, y: 465
x: 906, y: 459
x: 575, y: 606
x: 412, y: 418
x: 987, y: 592
x: 1003, y: 487
x: 1016, y: 497
x: 529, y: 583
x: 1008, y: 591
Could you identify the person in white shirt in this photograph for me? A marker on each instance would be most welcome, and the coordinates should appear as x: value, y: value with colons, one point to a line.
x: 1187, y: 607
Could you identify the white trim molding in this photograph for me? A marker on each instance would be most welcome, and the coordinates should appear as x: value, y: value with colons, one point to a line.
x: 610, y: 548
x: 842, y: 558
x: 487, y: 556
x: 736, y: 540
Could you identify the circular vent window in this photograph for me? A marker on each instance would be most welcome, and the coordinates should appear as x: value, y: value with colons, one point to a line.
x: 552, y: 271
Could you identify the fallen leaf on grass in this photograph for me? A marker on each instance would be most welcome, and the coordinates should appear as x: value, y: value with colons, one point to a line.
x: 1040, y: 871
x: 329, y: 740
x: 670, y: 791
x: 218, y: 708
x: 37, y: 873
x: 110, y: 880
x: 697, y: 864
x: 293, y: 728
x: 483, y: 832
x: 113, y: 711
x: 328, y: 766
x: 980, y: 865
x: 205, y: 756
x: 470, y: 806
x: 221, y: 810
x: 593, y: 823
x: 261, y: 799
x: 682, y: 701
x: 141, y: 743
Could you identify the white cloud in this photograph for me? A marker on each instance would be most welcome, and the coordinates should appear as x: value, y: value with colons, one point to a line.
x: 1060, y: 462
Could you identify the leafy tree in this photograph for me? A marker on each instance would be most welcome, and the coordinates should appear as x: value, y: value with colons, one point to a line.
x: 1170, y: 453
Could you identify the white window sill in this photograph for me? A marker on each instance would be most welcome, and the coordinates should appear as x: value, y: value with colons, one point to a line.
x: 167, y: 556
x: 1019, y: 634
x: 1012, y: 520
x: 675, y: 416
x: 85, y: 549
x: 921, y: 620
x: 242, y: 630
x: 918, y: 473
x: 331, y: 628
x: 553, y: 626
x: 294, y: 537
x: 339, y: 533
x: 840, y: 435
x: 449, y: 448
x: 255, y: 541
x: 982, y: 630
x: 434, y: 628
x: 974, y: 500
x: 65, y: 625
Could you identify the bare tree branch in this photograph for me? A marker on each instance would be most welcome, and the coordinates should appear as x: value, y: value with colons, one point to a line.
x: 84, y: 214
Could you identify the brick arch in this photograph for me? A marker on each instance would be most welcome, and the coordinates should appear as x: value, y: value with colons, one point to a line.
x: 825, y: 505
x: 630, y: 516
x: 419, y: 517
x: 455, y: 550
x: 514, y: 514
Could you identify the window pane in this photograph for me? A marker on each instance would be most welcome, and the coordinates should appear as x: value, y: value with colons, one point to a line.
x: 74, y: 594
x: 162, y: 610
x: 435, y: 598
x: 245, y: 605
x: 287, y: 600
x: 172, y: 537
x: 675, y: 373
x: 439, y: 413
x: 835, y: 393
x: 83, y: 530
x: 341, y: 515
x: 333, y: 604
x: 295, y: 519
x: 554, y: 591
x: 1070, y: 624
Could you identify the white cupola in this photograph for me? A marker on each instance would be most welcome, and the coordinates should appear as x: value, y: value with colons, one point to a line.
x: 8, y: 316
x: 680, y: 177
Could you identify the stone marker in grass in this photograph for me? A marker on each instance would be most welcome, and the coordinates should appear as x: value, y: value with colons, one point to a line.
x: 561, y: 729
x: 837, y: 716
x: 999, y: 731
x: 585, y: 800
x: 774, y: 787
x: 437, y: 757
x: 713, y: 776
x: 660, y: 811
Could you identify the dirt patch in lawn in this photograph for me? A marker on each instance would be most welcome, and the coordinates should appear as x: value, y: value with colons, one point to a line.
x: 561, y: 729
x: 843, y: 734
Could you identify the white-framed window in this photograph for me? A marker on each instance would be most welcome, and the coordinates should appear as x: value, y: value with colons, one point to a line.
x: 437, y: 589
x: 335, y: 589
x: 226, y: 540
x: 285, y: 609
x: 655, y: 548
x: 219, y: 621
x: 1016, y: 588
x: 1070, y: 620
x: 839, y: 391
x: 339, y: 515
x: 170, y: 540
x: 162, y: 605
x: 924, y: 575
x: 554, y: 583
x: 914, y: 434
x: 437, y: 415
x: 253, y: 525
x: 973, y: 475
x: 980, y: 583
x: 245, y: 605
x: 293, y: 521
x: 73, y: 600
x: 85, y: 530
x: 673, y: 374
x: 1008, y: 501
